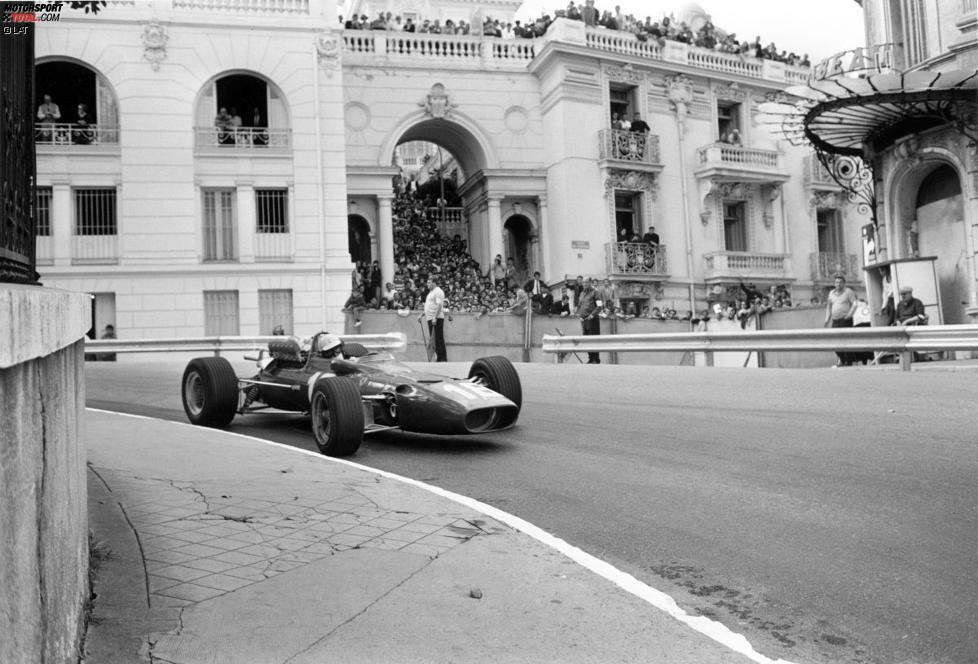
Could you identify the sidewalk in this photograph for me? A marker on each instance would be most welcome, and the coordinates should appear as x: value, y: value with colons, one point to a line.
x: 224, y: 549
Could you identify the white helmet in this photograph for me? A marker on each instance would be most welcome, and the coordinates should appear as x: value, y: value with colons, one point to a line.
x: 329, y: 342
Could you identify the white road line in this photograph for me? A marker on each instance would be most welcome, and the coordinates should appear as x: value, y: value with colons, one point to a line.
x: 710, y: 628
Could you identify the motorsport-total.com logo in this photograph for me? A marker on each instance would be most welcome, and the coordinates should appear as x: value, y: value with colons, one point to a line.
x: 30, y: 12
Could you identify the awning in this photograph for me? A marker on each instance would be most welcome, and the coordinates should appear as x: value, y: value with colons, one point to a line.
x: 848, y: 115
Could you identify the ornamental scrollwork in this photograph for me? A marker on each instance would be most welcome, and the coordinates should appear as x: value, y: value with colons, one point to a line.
x: 154, y: 42
x: 631, y: 181
x: 624, y: 74
x: 679, y: 91
x: 437, y: 103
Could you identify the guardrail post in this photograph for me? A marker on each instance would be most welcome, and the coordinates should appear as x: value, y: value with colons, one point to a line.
x: 708, y: 355
x: 906, y: 357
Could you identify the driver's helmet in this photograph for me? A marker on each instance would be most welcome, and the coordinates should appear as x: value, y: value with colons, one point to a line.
x: 329, y: 344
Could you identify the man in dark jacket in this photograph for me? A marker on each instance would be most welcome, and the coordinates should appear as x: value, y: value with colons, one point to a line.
x: 587, y: 311
x: 910, y: 310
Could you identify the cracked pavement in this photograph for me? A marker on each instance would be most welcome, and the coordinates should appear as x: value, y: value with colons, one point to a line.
x: 225, y: 549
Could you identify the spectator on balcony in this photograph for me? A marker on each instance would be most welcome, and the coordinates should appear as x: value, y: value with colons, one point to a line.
x: 48, y: 114
x: 589, y: 14
x: 260, y: 136
x: 651, y: 238
x: 379, y: 23
x: 839, y: 310
x: 82, y: 133
x: 639, y: 125
x: 620, y: 123
x: 236, y: 121
x: 224, y: 128
x: 734, y: 137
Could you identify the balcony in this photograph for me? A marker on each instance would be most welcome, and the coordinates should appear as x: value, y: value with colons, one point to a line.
x: 273, y: 247
x: 636, y: 260
x: 723, y: 266
x: 634, y: 150
x: 460, y: 51
x: 826, y: 265
x: 450, y: 221
x: 95, y: 249
x: 69, y: 136
x: 736, y: 163
x: 254, y: 140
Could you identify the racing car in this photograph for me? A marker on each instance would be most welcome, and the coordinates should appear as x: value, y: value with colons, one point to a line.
x: 349, y: 391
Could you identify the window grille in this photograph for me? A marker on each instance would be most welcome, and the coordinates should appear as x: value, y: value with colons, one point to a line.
x: 274, y: 309
x: 221, y: 313
x: 219, y: 225
x: 272, y: 210
x: 42, y: 212
x: 95, y: 212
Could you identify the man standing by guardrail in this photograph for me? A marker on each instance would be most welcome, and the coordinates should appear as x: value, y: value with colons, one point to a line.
x: 839, y: 311
x: 588, y: 312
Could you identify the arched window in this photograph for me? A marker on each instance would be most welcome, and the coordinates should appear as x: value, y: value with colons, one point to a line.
x: 241, y: 110
x: 75, y: 105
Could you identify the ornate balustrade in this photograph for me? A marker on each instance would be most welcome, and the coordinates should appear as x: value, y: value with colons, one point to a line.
x: 245, y: 138
x: 623, y: 42
x: 731, y: 63
x: 474, y: 50
x: 67, y: 134
x: 636, y: 259
x: 826, y: 265
x: 284, y: 7
x: 630, y: 146
x: 450, y: 221
x: 727, y: 153
x: 744, y: 265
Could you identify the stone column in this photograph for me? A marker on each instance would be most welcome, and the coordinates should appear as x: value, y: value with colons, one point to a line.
x: 544, y: 234
x: 245, y: 204
x: 61, y: 231
x: 385, y: 237
x: 495, y: 219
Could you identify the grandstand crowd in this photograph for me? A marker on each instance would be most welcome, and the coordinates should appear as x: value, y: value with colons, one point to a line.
x: 665, y: 29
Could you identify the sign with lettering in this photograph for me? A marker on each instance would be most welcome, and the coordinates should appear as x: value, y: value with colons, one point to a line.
x: 874, y: 59
x: 580, y: 244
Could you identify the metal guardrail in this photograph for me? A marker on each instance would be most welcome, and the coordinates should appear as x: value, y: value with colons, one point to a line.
x: 393, y: 341
x: 902, y: 340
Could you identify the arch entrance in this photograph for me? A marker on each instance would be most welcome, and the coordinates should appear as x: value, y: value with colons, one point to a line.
x: 519, y: 245
x: 937, y: 228
x: 358, y: 230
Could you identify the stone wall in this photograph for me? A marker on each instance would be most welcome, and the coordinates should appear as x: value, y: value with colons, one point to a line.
x: 43, y: 518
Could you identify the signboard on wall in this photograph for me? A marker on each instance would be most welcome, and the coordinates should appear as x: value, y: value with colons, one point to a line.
x: 869, y: 244
x: 580, y: 244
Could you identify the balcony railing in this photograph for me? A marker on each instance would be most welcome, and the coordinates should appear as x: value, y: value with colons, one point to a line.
x: 636, y: 258
x: 738, y: 156
x: 44, y: 250
x: 68, y: 135
x: 743, y: 264
x: 459, y: 49
x: 243, y: 138
x: 826, y: 265
x: 94, y: 249
x: 282, y: 7
x: 450, y: 221
x: 273, y: 247
x: 630, y: 146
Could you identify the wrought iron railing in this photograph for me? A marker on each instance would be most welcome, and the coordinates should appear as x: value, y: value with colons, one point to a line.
x: 636, y: 258
x: 243, y: 138
x: 631, y: 146
x: 826, y: 265
x: 815, y: 173
x: 67, y: 134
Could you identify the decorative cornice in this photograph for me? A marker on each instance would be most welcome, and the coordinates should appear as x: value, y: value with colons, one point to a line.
x: 631, y: 181
x: 730, y: 91
x: 624, y: 74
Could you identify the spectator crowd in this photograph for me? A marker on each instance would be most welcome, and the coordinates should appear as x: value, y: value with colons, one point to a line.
x: 665, y: 29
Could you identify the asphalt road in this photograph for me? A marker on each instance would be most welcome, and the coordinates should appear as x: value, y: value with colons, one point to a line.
x: 828, y: 515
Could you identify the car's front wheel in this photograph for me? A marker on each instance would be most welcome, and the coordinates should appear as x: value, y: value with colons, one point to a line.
x: 209, y: 391
x: 337, y: 416
x: 499, y: 375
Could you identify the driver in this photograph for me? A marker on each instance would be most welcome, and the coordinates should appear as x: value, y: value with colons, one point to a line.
x: 330, y: 345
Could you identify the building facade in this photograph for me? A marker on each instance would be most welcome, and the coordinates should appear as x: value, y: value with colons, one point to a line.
x: 181, y: 223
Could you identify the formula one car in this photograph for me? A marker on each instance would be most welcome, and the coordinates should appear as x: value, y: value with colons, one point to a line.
x: 350, y: 391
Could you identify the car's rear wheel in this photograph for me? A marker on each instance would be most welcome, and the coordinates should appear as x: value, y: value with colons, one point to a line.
x: 209, y: 391
x: 337, y: 416
x: 499, y: 375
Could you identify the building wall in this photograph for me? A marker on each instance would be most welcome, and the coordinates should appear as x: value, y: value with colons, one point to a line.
x: 43, y: 518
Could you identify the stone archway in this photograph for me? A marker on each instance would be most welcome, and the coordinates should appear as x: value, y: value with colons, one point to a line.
x: 519, y: 245
x: 358, y: 230
x: 938, y: 229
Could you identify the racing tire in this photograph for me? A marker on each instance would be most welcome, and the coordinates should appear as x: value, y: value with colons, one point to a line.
x: 499, y: 375
x: 209, y: 391
x: 337, y: 416
x: 354, y: 349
